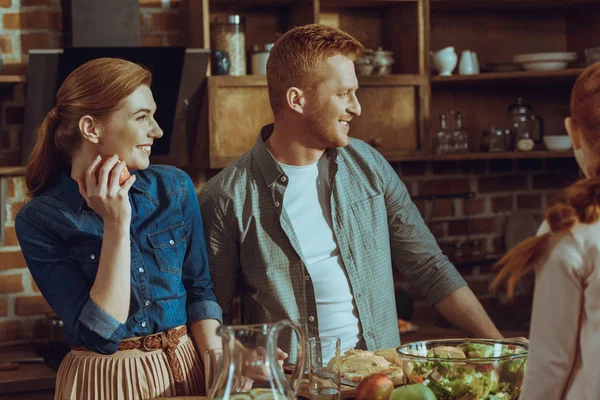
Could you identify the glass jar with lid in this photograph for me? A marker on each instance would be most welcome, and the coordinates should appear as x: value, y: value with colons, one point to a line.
x: 526, y: 127
x: 227, y: 34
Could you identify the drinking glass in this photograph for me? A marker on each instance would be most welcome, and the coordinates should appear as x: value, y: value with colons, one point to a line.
x: 324, y: 367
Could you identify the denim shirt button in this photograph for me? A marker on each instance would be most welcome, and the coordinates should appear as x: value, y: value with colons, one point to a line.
x: 171, y: 242
x: 92, y: 257
x: 147, y: 302
x: 141, y: 269
x: 144, y: 324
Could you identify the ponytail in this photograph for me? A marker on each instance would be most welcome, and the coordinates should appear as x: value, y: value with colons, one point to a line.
x: 46, y: 158
x: 581, y: 205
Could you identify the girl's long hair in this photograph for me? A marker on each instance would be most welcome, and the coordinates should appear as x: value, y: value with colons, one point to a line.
x: 97, y: 89
x: 581, y: 202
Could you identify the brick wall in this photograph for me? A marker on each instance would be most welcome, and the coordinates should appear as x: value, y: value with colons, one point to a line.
x: 37, y: 24
x: 161, y: 23
x: 501, y: 186
x: 29, y: 24
x: 21, y: 304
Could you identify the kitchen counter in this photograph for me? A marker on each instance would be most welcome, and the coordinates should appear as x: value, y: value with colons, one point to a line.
x: 33, y: 379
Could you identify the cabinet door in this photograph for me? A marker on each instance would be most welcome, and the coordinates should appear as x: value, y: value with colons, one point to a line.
x: 389, y: 120
x: 238, y: 108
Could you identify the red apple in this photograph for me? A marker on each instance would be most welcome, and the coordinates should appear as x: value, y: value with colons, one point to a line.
x: 374, y: 387
x: 122, y: 178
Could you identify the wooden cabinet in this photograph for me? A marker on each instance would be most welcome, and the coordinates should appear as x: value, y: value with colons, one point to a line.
x: 400, y: 110
x: 236, y: 109
x: 394, y: 116
x: 497, y: 30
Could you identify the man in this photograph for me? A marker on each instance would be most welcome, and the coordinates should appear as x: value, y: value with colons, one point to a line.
x: 310, y: 222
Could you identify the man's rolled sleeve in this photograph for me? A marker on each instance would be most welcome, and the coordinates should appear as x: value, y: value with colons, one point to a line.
x: 101, y: 323
x: 444, y: 282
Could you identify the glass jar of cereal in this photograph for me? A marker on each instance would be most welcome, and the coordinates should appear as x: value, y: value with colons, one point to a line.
x: 227, y: 34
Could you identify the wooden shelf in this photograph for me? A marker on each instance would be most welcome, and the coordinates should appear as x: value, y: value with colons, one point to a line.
x: 249, y: 4
x: 382, y: 80
x: 453, y: 4
x: 13, y: 170
x: 506, y: 4
x: 537, y: 77
x: 392, y: 80
x: 12, y: 79
x: 504, y: 156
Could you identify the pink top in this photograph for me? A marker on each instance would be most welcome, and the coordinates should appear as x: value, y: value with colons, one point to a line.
x: 564, y: 358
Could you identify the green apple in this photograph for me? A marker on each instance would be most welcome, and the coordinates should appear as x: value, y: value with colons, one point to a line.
x: 416, y: 391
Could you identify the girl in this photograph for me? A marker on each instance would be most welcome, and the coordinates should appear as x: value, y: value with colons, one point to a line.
x: 565, y: 326
x: 125, y: 267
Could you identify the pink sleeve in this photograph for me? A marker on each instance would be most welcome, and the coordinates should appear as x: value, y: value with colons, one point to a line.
x: 557, y: 304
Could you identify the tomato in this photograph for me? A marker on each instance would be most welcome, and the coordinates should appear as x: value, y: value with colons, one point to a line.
x: 122, y: 178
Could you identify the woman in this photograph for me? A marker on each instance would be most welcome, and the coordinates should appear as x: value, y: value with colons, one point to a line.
x: 565, y: 326
x: 125, y: 267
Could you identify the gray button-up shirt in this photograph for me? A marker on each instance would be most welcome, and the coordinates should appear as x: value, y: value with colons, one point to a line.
x: 253, y: 250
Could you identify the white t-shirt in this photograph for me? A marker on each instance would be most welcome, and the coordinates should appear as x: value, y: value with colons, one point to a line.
x: 307, y: 204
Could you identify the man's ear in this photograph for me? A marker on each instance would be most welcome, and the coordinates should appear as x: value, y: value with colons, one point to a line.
x: 90, y: 129
x: 573, y: 132
x: 295, y: 99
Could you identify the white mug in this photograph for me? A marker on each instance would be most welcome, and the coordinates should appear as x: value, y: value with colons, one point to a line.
x: 466, y: 65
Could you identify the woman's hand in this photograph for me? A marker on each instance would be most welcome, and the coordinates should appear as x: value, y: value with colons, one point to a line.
x: 104, y: 195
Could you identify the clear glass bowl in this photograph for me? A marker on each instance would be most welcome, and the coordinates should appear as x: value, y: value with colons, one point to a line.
x: 474, y: 369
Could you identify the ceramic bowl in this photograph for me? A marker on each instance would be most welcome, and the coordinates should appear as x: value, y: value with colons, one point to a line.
x: 557, y: 142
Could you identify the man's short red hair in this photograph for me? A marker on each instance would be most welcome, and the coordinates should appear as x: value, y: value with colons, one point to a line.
x: 298, y: 57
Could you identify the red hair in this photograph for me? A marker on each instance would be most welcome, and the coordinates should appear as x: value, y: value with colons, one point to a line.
x: 96, y: 88
x: 298, y: 56
x: 581, y: 202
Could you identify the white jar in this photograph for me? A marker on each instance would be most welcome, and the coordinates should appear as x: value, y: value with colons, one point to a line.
x: 260, y: 55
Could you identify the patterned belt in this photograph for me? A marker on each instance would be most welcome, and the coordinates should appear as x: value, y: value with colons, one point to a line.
x: 168, y: 342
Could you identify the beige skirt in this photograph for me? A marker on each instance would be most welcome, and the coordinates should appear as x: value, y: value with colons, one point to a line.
x: 127, y: 374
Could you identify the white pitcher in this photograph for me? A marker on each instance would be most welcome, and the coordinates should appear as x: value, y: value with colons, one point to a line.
x: 445, y: 60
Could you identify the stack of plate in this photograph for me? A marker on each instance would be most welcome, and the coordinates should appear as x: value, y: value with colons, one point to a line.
x: 545, y: 61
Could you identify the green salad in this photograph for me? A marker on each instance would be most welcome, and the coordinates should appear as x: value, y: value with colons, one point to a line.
x: 472, y: 379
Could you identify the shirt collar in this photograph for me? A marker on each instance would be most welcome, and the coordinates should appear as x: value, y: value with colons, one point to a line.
x: 69, y: 189
x: 269, y: 167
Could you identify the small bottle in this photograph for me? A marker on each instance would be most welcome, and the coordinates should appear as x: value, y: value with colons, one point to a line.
x: 461, y: 139
x: 440, y: 142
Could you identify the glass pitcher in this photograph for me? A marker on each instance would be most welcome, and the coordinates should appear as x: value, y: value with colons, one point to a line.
x: 523, y: 125
x: 250, y: 367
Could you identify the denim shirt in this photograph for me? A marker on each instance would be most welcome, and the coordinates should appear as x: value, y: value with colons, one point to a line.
x: 61, y: 239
